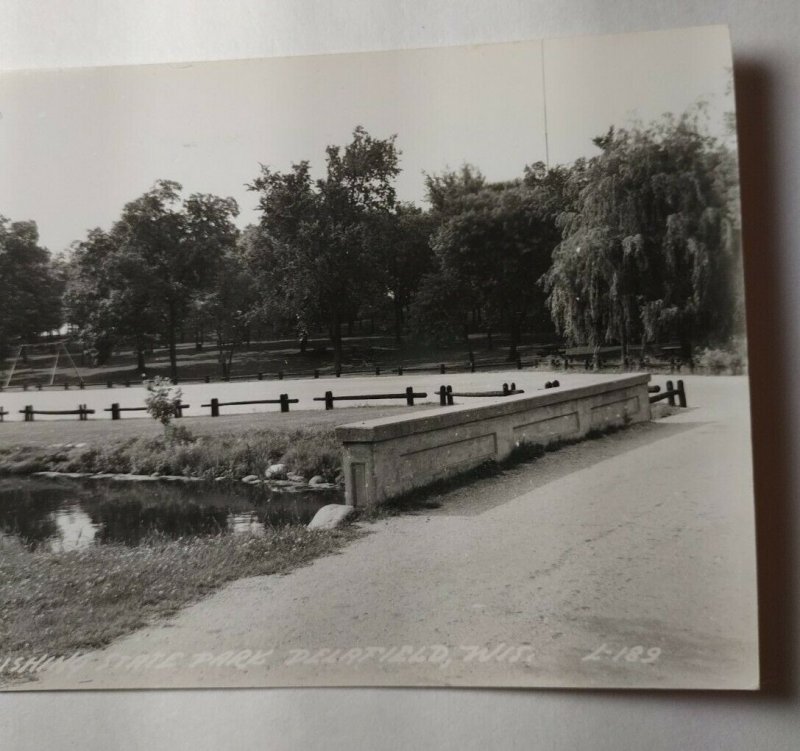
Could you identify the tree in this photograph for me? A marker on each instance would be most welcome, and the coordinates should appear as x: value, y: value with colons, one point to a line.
x: 230, y: 306
x: 403, y: 240
x: 494, y: 242
x: 647, y: 246
x: 32, y: 284
x: 140, y: 278
x: 108, y: 298
x: 318, y: 260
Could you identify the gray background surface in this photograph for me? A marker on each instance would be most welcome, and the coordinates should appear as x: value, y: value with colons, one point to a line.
x: 55, y: 33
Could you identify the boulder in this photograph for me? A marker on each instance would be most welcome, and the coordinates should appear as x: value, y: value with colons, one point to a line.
x: 276, y: 472
x: 295, y: 477
x: 331, y: 516
x: 317, y: 480
x: 250, y: 478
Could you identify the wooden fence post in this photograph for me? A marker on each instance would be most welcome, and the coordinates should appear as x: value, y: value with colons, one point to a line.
x: 215, y: 407
x: 449, y: 396
x: 284, y: 402
x: 115, y: 414
x: 671, y: 392
x: 441, y: 369
x: 329, y: 400
x: 316, y: 373
x: 442, y: 396
x: 410, y: 396
x: 681, y: 394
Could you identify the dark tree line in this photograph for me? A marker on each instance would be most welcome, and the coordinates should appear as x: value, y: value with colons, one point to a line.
x: 637, y: 244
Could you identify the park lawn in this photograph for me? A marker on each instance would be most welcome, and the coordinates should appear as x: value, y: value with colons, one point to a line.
x: 60, y: 603
x: 48, y: 432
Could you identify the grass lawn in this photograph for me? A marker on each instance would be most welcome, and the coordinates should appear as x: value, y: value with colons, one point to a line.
x: 56, y: 603
x: 48, y: 432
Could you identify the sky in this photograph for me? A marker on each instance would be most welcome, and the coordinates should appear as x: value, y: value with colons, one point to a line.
x: 77, y: 144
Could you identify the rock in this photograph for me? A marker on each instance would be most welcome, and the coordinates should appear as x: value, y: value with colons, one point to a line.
x: 323, y: 486
x: 134, y: 478
x: 339, y: 480
x: 276, y: 472
x: 317, y: 480
x: 250, y: 478
x: 155, y: 474
x: 332, y: 516
x: 295, y: 478
x: 281, y: 483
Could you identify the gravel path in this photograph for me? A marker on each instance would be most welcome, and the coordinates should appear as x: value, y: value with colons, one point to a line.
x: 624, y: 561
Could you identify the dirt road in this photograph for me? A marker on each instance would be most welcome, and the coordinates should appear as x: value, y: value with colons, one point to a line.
x: 623, y: 561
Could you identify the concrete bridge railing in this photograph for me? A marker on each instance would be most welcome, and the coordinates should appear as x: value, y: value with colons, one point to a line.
x: 388, y: 457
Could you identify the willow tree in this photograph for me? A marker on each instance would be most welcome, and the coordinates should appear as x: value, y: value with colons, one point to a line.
x: 648, y: 247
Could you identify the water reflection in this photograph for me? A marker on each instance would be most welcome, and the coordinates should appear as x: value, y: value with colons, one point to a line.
x: 67, y: 514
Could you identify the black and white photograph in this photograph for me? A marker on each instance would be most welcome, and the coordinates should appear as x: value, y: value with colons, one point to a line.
x: 406, y: 368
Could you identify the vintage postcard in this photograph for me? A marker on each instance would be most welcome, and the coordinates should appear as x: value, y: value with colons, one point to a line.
x: 408, y: 368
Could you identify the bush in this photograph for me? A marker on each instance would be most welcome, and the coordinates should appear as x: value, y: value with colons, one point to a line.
x: 731, y: 360
x: 163, y: 400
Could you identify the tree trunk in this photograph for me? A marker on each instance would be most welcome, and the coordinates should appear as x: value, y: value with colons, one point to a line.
x: 140, y: 364
x: 468, y: 342
x: 398, y: 321
x: 514, y: 332
x: 336, y: 340
x: 223, y: 371
x: 173, y: 349
x: 303, y: 342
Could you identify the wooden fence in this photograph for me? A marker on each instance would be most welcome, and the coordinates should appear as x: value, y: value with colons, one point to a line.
x: 409, y: 395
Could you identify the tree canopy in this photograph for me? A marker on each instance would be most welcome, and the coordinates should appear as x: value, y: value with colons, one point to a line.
x: 30, y: 303
x: 648, y: 247
x: 315, y: 252
x: 140, y: 278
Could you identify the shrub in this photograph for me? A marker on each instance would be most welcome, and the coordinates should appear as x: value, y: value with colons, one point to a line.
x: 163, y: 400
x: 731, y: 360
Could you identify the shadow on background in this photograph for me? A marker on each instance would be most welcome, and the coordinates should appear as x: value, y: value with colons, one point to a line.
x: 768, y: 343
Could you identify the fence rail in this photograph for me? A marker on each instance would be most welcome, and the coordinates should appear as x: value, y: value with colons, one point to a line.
x: 409, y: 395
x: 670, y: 394
x: 29, y: 412
x: 116, y: 410
x: 446, y: 393
x: 284, y: 401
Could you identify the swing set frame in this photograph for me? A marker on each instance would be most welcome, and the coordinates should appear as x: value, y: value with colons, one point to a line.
x: 59, y: 348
